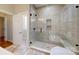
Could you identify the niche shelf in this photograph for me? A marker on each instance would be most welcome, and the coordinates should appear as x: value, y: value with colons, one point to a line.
x: 48, y: 24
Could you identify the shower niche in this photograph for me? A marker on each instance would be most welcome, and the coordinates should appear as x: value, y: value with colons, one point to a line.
x: 49, y: 24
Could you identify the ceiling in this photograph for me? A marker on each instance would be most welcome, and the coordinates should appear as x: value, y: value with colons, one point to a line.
x: 43, y: 5
x: 40, y: 5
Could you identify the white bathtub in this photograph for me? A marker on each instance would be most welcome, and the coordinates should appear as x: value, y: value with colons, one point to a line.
x: 42, y: 46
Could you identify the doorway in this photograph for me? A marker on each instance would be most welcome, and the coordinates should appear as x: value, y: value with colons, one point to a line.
x: 4, y: 43
x: 2, y: 29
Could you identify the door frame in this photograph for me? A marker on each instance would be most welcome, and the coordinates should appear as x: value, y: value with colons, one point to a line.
x: 4, y: 14
x: 5, y: 28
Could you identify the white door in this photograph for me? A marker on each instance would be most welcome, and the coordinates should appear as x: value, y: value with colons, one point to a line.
x: 19, y: 28
x: 20, y: 33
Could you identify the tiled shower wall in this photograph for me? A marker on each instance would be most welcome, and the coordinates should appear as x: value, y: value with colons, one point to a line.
x: 71, y: 17
x: 54, y: 13
x: 64, y: 22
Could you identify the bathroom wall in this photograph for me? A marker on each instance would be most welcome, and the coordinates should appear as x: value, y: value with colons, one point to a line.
x: 52, y: 12
x: 71, y: 16
x: 64, y: 21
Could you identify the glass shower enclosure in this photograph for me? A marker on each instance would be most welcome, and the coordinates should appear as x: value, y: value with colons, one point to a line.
x: 53, y: 25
